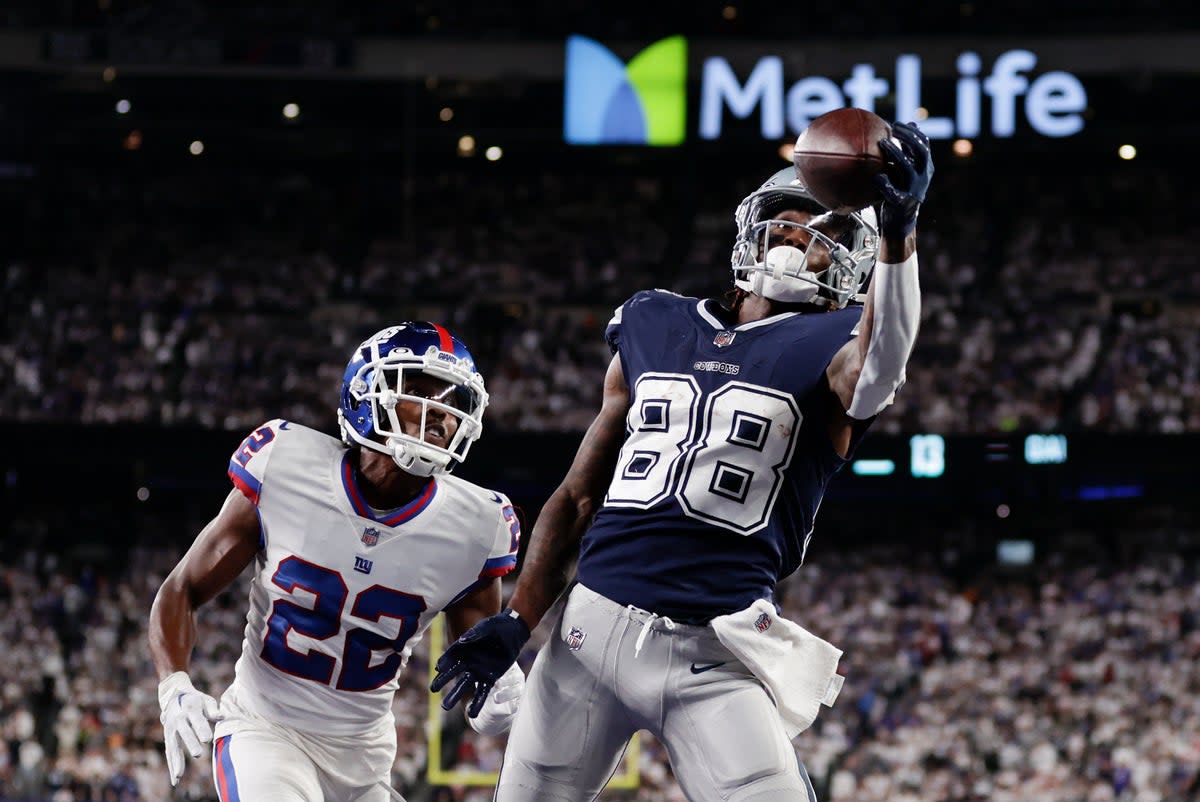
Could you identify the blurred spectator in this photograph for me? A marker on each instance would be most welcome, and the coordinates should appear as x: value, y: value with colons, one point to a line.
x: 1072, y: 681
x: 192, y: 299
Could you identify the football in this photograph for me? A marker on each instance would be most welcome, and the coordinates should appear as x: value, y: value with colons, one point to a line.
x: 838, y: 156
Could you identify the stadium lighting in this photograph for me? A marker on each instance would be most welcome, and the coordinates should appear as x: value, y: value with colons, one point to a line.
x: 123, y: 106
x: 109, y: 74
x: 143, y: 494
x: 466, y: 145
x: 1003, y: 511
x: 446, y: 114
x: 494, y: 153
x: 729, y: 12
x: 291, y: 111
x: 133, y: 140
x: 963, y: 148
x: 1127, y: 152
x: 786, y: 150
x: 196, y: 148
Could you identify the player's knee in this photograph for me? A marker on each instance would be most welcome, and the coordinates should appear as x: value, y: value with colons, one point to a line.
x: 523, y: 791
x: 781, y: 786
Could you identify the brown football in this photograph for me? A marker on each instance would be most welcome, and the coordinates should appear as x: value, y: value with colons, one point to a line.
x: 838, y: 156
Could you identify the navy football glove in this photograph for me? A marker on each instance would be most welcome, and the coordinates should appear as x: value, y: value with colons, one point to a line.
x: 479, y: 658
x: 906, y: 181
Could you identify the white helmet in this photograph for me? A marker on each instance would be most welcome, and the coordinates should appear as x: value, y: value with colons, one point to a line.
x: 852, y: 243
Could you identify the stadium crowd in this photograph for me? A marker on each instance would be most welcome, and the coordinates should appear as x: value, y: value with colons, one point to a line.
x: 1071, y: 680
x: 1059, y: 315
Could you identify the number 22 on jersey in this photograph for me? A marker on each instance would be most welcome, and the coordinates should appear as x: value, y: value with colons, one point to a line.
x: 722, y: 455
x: 324, y: 620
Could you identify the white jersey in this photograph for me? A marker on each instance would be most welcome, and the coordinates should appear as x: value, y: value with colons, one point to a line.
x: 341, y: 593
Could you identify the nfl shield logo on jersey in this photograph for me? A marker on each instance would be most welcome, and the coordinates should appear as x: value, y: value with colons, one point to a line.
x: 575, y: 639
x: 370, y: 536
x: 724, y: 338
x: 762, y: 623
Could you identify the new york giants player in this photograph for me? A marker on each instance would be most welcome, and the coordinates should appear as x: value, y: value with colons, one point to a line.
x: 719, y: 430
x: 356, y: 546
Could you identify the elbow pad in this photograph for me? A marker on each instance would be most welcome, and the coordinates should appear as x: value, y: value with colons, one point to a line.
x: 897, y: 314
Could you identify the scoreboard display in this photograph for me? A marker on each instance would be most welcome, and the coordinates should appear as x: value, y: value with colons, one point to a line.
x: 1042, y: 467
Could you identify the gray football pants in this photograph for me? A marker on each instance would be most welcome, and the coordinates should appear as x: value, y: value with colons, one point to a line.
x: 592, y: 688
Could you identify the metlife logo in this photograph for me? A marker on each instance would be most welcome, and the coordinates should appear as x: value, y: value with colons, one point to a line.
x: 608, y: 102
x: 1052, y: 102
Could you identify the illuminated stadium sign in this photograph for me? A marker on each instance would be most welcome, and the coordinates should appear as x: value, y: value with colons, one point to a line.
x: 1053, y: 102
x: 644, y: 102
x: 1046, y: 449
x: 608, y: 102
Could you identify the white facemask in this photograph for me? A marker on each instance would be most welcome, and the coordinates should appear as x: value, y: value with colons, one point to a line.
x: 782, y: 278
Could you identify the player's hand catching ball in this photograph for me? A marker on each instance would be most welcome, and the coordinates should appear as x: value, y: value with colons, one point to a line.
x: 479, y: 658
x: 906, y: 180
x: 187, y: 716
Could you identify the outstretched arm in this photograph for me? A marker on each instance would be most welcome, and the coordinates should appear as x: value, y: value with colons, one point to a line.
x: 569, y: 510
x: 485, y: 654
x: 865, y: 374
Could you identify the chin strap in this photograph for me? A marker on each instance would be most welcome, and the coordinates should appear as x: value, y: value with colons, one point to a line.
x: 415, y: 459
x: 784, y: 277
x: 897, y: 316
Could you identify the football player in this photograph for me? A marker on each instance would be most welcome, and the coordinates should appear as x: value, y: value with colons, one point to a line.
x: 694, y: 492
x: 356, y: 546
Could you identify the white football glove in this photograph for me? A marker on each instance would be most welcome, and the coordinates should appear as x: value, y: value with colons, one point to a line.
x: 501, y: 706
x: 186, y: 718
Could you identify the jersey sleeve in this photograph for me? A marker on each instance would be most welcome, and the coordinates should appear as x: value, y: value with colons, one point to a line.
x: 248, y: 463
x: 635, y: 305
x: 612, y: 333
x: 503, y: 557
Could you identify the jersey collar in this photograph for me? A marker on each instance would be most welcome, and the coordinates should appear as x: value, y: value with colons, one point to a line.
x: 712, y: 320
x: 393, y: 517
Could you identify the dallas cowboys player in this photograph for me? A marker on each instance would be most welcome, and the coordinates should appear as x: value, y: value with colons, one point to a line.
x: 357, y: 545
x: 719, y: 430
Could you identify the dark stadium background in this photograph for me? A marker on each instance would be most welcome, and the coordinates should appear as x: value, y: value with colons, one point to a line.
x: 97, y: 505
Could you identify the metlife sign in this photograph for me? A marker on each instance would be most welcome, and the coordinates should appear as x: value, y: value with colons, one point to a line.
x: 1052, y: 102
x: 989, y: 98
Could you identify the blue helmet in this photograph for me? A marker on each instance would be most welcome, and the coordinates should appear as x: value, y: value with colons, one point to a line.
x: 375, y: 384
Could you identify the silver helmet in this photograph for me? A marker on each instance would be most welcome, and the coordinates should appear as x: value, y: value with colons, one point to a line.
x: 838, y: 250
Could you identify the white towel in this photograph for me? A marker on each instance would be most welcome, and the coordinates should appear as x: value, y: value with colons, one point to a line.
x: 798, y: 669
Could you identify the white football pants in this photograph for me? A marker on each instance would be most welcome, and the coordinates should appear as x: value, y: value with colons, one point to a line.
x: 256, y: 760
x: 613, y: 670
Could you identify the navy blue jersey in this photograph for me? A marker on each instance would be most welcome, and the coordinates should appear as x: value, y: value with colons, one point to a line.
x: 726, y: 457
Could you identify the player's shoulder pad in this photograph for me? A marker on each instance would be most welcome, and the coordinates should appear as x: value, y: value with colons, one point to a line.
x: 649, y: 297
x: 641, y: 305
x: 248, y: 463
x: 657, y: 296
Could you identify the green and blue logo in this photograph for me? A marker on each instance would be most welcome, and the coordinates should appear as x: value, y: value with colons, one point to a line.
x: 610, y: 103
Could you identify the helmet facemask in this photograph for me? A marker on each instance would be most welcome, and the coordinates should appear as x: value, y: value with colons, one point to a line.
x: 829, y: 270
x: 383, y: 384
